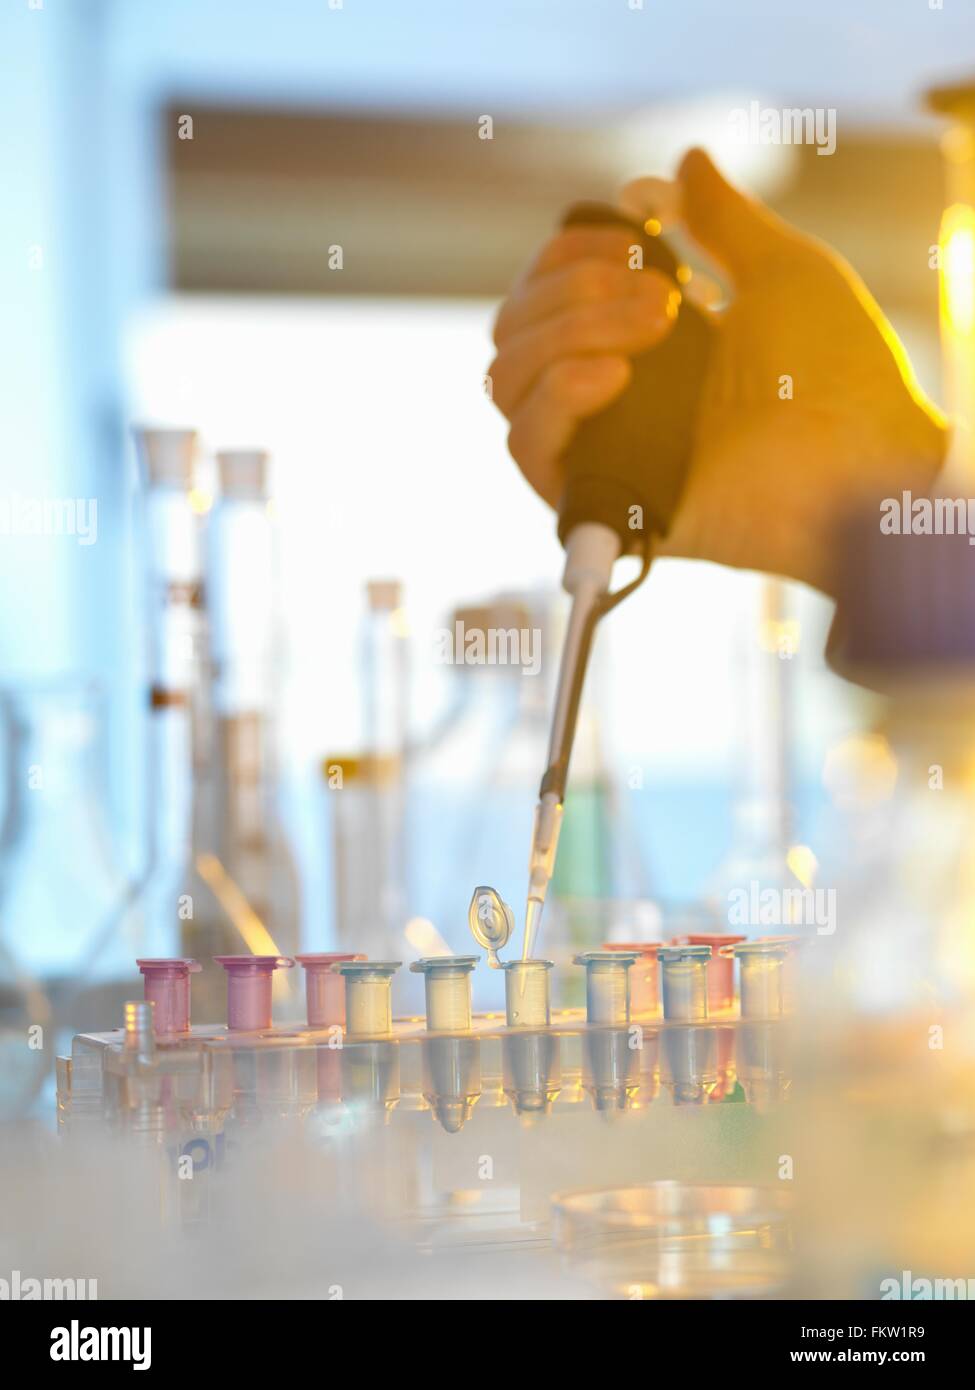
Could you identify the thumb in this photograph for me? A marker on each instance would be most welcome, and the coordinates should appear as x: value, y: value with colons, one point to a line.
x: 739, y: 233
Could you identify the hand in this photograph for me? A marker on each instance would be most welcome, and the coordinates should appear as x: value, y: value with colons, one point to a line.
x: 810, y: 405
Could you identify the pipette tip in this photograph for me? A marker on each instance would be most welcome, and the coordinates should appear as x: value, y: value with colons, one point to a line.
x: 533, y: 916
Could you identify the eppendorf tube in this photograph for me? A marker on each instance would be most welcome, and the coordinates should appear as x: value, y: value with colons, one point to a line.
x: 526, y: 993
x: 249, y: 980
x: 721, y: 967
x: 167, y: 988
x: 762, y: 977
x: 684, y: 982
x: 369, y: 996
x: 644, y: 985
x: 447, y: 983
x: 607, y: 985
x: 324, y: 987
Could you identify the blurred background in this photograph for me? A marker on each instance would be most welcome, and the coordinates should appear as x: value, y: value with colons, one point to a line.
x: 228, y: 717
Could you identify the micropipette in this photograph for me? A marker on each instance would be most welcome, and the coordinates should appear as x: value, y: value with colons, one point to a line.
x: 613, y: 504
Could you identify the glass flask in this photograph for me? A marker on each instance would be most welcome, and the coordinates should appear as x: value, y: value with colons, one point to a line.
x: 69, y: 929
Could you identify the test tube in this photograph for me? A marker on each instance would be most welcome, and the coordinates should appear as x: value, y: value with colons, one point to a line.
x: 532, y: 1072
x: 249, y: 981
x: 167, y: 988
x: 526, y: 993
x: 684, y: 981
x: 644, y: 987
x: 762, y: 977
x: 607, y: 985
x: 370, y: 1077
x: 721, y: 967
x: 368, y: 996
x: 447, y: 983
x: 325, y: 988
x: 451, y: 1079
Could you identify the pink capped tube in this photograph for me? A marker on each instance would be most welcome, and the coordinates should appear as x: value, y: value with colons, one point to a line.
x: 167, y: 986
x: 325, y: 987
x: 249, y: 981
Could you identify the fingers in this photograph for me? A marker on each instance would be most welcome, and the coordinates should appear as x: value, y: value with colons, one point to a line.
x: 581, y: 243
x: 652, y: 197
x: 738, y: 232
x: 568, y: 391
x: 628, y: 325
x: 588, y: 281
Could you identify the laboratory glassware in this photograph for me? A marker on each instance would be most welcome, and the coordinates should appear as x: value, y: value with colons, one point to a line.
x: 670, y: 1240
x: 175, y: 627
x: 68, y: 920
x: 366, y: 789
x: 240, y: 846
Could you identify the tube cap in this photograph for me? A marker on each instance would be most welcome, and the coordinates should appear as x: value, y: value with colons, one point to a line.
x: 167, y: 987
x: 431, y: 965
x: 324, y: 988
x: 249, y: 981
